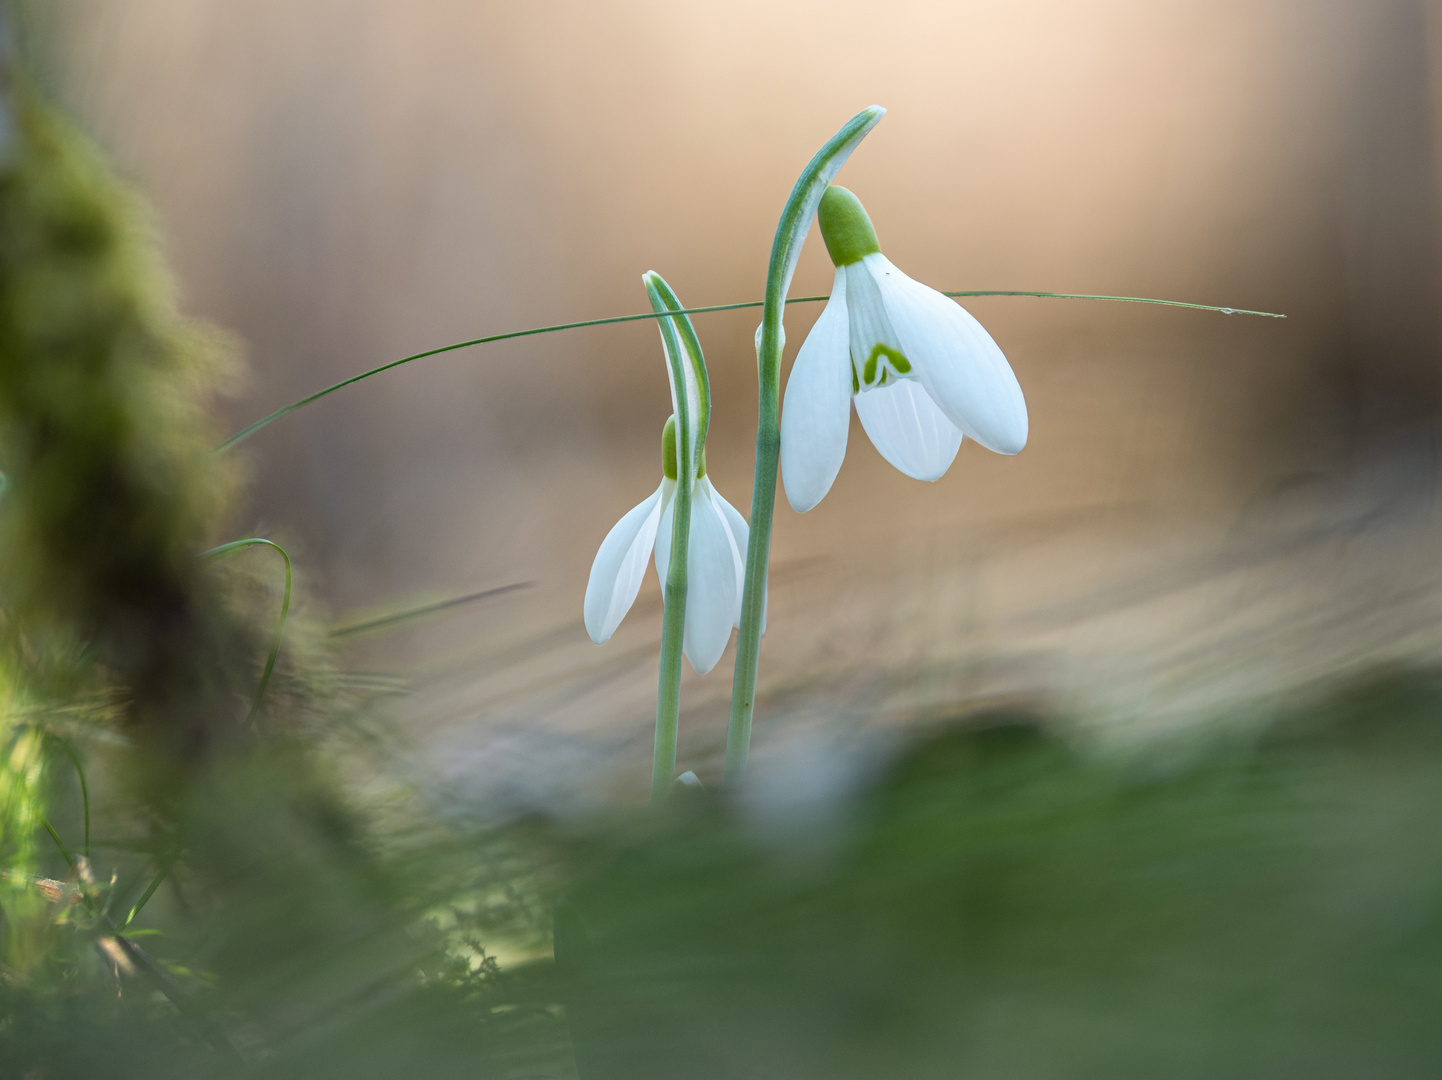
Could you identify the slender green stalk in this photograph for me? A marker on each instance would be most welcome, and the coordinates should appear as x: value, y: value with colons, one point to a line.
x: 265, y: 421
x: 383, y: 622
x: 791, y: 233
x: 155, y: 883
x: 74, y: 756
x: 69, y: 858
x: 691, y: 405
x: 270, y: 660
x: 1099, y: 296
x: 673, y: 631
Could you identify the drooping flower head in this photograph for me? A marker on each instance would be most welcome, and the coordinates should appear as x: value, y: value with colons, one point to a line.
x: 922, y: 371
x: 717, y: 554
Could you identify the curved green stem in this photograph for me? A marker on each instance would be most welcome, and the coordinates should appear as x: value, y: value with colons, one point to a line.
x: 69, y: 857
x: 270, y: 660
x: 74, y: 756
x: 265, y: 421
x: 791, y: 233
x: 691, y: 403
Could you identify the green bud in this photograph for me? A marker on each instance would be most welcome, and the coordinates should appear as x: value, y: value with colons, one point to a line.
x: 669, y: 469
x: 845, y: 227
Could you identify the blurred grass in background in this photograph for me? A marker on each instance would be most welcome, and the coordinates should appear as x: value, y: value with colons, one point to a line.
x: 998, y: 896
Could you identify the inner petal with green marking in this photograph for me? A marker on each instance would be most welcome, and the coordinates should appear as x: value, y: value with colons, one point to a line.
x: 883, y: 365
x: 876, y: 356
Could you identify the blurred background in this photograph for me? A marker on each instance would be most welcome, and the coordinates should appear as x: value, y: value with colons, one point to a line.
x: 1211, y: 509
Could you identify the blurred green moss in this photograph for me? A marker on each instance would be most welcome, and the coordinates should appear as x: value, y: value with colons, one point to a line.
x: 105, y: 440
x: 287, y: 929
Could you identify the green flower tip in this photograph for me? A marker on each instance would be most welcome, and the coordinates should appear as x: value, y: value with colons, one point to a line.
x: 669, y: 468
x: 845, y: 227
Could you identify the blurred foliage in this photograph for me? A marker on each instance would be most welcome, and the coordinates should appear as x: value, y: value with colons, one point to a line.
x: 188, y: 893
x: 1007, y: 907
x: 187, y: 890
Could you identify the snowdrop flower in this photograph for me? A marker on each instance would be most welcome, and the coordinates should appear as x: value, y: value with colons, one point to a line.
x: 921, y: 370
x: 714, y: 568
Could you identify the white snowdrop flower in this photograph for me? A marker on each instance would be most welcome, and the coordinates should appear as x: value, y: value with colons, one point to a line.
x: 922, y: 371
x: 714, y: 564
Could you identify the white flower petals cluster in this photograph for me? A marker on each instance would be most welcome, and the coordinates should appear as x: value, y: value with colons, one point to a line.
x: 922, y: 371
x: 924, y: 375
x: 715, y: 563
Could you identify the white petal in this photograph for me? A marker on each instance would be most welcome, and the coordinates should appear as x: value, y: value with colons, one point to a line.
x: 870, y: 325
x: 713, y: 582
x: 908, y: 429
x: 817, y: 410
x: 741, y: 533
x: 620, y: 564
x: 663, y: 532
x: 956, y: 360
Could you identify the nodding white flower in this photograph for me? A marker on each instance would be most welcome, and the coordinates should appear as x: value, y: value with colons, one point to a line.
x: 921, y: 370
x: 715, y: 562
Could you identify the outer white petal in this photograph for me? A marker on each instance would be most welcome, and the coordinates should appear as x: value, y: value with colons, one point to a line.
x: 908, y: 429
x: 741, y: 533
x: 713, y: 582
x: 663, y: 532
x: 620, y: 564
x: 817, y: 409
x: 956, y: 360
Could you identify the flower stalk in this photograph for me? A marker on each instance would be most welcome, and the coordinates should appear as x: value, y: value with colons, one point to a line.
x: 691, y: 402
x: 791, y: 232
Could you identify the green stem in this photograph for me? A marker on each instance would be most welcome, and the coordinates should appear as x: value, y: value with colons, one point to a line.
x: 691, y: 401
x: 673, y: 631
x: 155, y: 882
x: 270, y: 660
x: 382, y: 622
x: 74, y: 757
x: 69, y: 858
x: 1099, y: 296
x: 791, y: 233
x: 265, y: 421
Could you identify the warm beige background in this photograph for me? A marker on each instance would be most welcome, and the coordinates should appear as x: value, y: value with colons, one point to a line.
x: 342, y: 183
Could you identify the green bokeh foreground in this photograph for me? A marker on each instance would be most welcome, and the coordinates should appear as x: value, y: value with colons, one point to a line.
x: 995, y: 905
x: 1007, y: 908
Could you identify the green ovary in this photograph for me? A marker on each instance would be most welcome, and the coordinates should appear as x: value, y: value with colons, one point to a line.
x: 669, y: 469
x: 845, y: 227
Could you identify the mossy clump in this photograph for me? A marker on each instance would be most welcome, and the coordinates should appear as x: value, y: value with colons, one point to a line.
x: 113, y: 490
